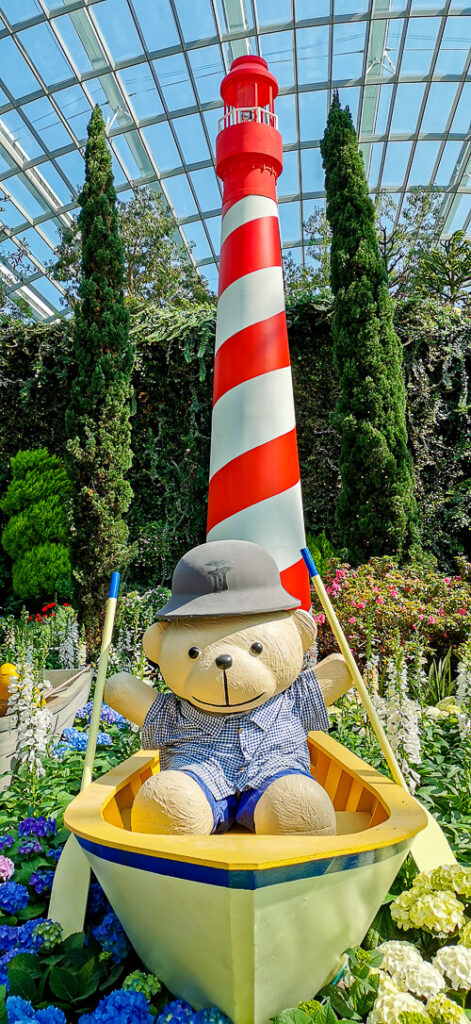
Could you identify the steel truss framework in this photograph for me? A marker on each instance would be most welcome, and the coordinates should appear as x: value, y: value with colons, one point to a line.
x: 404, y: 66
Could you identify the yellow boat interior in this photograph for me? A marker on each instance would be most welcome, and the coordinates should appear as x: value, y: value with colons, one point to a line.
x: 371, y: 810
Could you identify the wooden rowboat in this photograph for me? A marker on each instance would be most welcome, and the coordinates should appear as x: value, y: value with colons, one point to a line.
x: 73, y: 688
x: 249, y: 923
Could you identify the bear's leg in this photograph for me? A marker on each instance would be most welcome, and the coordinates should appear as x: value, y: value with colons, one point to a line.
x: 294, y: 804
x: 171, y: 802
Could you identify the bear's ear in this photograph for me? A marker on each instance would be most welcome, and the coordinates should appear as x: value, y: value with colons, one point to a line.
x: 152, y: 640
x: 306, y: 626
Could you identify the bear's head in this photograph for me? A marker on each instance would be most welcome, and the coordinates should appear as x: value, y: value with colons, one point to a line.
x: 228, y: 665
x: 230, y: 638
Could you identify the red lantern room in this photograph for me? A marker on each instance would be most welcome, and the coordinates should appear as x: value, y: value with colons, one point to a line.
x: 249, y: 151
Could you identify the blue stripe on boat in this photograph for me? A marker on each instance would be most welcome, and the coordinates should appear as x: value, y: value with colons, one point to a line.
x: 238, y: 878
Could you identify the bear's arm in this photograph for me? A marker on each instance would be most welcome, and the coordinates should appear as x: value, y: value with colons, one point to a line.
x: 308, y: 702
x: 155, y: 729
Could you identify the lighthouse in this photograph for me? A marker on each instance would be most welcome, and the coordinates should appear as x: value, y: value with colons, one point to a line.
x: 254, y: 486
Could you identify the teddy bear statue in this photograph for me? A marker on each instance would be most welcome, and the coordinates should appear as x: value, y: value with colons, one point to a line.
x: 232, y: 733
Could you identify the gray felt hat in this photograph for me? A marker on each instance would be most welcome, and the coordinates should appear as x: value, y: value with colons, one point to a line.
x: 226, y: 577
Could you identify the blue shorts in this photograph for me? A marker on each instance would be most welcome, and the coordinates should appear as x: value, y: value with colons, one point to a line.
x: 239, y: 807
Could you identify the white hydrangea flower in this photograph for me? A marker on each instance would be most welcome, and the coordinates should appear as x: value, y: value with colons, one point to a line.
x: 465, y: 935
x: 396, y: 954
x: 409, y: 971
x: 437, y: 912
x: 391, y: 1002
x: 444, y: 1011
x: 455, y: 963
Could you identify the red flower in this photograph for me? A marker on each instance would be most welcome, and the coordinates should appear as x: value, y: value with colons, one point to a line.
x: 52, y: 615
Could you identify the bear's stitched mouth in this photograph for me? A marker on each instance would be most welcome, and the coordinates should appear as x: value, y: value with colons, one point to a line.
x: 227, y: 703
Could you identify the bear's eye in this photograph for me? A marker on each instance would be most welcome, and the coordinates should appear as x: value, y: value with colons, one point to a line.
x: 194, y: 652
x: 257, y: 647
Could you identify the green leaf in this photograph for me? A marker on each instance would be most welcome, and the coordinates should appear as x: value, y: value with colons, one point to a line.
x: 292, y: 1016
x: 88, y: 979
x: 74, y: 941
x: 21, y: 982
x: 64, y: 984
x: 340, y: 1002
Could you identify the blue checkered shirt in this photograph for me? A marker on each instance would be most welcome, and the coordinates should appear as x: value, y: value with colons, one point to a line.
x: 231, y: 753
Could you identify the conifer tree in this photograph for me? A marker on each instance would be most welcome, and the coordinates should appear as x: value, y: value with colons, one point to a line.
x: 376, y: 512
x: 97, y: 421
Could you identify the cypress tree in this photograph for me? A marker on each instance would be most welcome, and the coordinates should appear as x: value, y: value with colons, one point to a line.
x: 376, y: 512
x: 97, y: 420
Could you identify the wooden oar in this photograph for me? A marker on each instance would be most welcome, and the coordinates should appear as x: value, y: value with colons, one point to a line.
x: 430, y: 848
x: 69, y: 895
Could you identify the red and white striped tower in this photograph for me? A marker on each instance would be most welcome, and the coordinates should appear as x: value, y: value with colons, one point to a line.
x: 254, y: 488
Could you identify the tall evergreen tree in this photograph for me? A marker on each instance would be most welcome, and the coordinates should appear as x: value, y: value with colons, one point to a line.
x: 97, y: 421
x: 376, y: 511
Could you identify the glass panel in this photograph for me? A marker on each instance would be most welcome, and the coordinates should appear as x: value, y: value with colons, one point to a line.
x: 395, y: 164
x: 383, y: 109
x: 180, y: 196
x: 277, y: 49
x: 208, y: 71
x: 162, y: 146
x: 76, y: 109
x: 15, y: 72
x: 312, y: 114
x: 50, y: 228
x: 286, y: 112
x: 462, y: 118
x: 196, y: 19
x: 420, y: 42
x: 439, y: 104
x: 118, y: 173
x: 38, y: 246
x: 55, y: 182
x: 290, y: 222
x: 211, y: 275
x: 350, y: 6
x: 392, y: 46
x: 42, y: 114
x: 191, y: 138
x: 104, y: 90
x: 83, y: 60
x: 312, y: 9
x: 133, y: 155
x: 454, y: 47
x: 74, y: 166
x: 46, y: 54
x: 196, y: 234
x: 421, y: 5
x: 406, y: 108
x: 139, y: 85
x: 6, y: 163
x: 17, y: 12
x: 349, y: 44
x: 211, y: 118
x: 423, y: 163
x: 213, y: 227
x: 288, y: 182
x: 22, y: 134
x: 273, y: 12
x: 28, y: 198
x: 174, y: 81
x: 312, y: 45
x: 206, y: 188
x: 311, y: 206
x: 375, y: 161
x: 244, y: 18
x: 119, y: 32
x: 48, y: 291
x: 460, y: 214
x: 157, y: 23
x: 312, y: 170
x: 10, y: 215
x: 448, y: 162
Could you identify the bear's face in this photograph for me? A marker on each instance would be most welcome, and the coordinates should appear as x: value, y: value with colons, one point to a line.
x: 233, y: 664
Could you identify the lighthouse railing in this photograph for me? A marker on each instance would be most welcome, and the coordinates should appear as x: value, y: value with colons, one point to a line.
x: 240, y: 115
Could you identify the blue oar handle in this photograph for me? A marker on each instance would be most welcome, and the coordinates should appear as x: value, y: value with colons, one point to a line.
x: 309, y: 562
x: 114, y: 585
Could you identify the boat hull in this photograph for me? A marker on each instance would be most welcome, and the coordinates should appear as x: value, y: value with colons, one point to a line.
x: 63, y: 707
x: 251, y: 945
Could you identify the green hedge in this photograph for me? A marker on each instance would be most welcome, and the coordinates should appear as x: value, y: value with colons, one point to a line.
x: 171, y: 420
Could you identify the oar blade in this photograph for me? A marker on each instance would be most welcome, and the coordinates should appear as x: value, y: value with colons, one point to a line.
x: 69, y: 895
x: 430, y: 848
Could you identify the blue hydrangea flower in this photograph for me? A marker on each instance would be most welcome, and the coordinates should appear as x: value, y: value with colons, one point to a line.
x: 211, y: 1015
x: 13, y: 897
x: 55, y: 854
x: 177, y: 1012
x: 78, y: 740
x: 37, y: 827
x: 112, y: 938
x: 50, y: 1015
x: 120, y: 1007
x: 97, y: 901
x: 41, y: 881
x: 6, y: 842
x: 108, y: 715
x: 30, y: 846
x: 18, y: 1009
x: 48, y: 933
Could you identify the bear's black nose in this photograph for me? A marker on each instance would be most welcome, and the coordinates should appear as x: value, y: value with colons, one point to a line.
x: 224, y: 661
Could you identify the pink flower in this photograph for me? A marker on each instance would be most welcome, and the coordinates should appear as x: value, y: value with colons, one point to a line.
x: 448, y: 580
x: 441, y: 611
x: 352, y: 621
x: 414, y: 627
x: 462, y: 611
x: 361, y: 604
x: 7, y: 869
x: 431, y: 619
x: 379, y: 600
x: 319, y: 618
x: 420, y: 617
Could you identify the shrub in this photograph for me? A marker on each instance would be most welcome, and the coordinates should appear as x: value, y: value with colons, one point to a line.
x: 36, y: 535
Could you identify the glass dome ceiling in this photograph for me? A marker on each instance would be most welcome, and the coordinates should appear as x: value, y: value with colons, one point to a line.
x: 155, y: 67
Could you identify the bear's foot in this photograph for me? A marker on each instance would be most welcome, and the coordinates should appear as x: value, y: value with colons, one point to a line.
x: 295, y: 804
x: 171, y: 802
